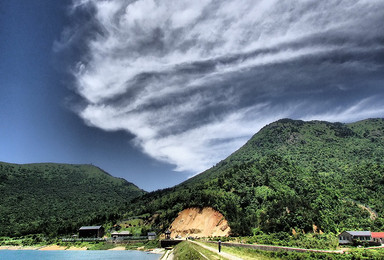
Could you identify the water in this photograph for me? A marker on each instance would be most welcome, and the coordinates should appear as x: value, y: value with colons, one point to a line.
x: 76, y: 255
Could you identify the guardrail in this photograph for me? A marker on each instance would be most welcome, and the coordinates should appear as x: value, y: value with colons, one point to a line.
x: 86, y: 239
x: 278, y: 248
x: 109, y: 239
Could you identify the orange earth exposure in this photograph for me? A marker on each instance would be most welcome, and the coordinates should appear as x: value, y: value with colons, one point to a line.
x: 196, y: 222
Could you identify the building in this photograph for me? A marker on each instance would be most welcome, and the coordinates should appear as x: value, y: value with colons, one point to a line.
x: 91, y: 231
x: 121, y: 234
x: 378, y: 237
x: 347, y: 237
x: 167, y: 234
x: 151, y: 235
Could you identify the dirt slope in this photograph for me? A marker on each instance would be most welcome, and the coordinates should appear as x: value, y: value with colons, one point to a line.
x: 197, y: 222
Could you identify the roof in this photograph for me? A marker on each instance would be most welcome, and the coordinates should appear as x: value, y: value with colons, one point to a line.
x: 90, y: 227
x: 122, y: 233
x: 377, y: 234
x: 360, y: 233
x: 151, y: 234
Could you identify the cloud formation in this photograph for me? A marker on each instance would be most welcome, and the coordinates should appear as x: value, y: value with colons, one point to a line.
x: 194, y: 80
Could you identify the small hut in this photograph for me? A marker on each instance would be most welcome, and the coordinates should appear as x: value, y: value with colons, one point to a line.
x: 347, y: 237
x: 91, y: 232
x: 121, y: 235
x: 151, y: 235
x: 167, y: 234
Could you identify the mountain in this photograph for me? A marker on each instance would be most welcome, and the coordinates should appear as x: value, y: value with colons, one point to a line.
x: 58, y: 198
x: 292, y: 174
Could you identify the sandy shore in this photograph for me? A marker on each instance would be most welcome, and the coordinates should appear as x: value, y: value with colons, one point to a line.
x: 118, y: 248
x: 53, y: 247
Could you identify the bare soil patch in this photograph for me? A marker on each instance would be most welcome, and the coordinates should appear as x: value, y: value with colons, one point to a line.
x: 197, y: 222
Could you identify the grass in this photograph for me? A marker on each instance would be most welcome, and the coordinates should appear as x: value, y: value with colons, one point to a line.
x: 136, y: 226
x: 248, y: 253
x: 245, y: 253
x: 150, y: 244
x: 31, y: 240
x: 101, y: 246
x: 186, y: 250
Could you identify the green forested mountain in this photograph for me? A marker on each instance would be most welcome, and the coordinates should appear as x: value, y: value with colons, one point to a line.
x: 58, y: 198
x: 290, y: 175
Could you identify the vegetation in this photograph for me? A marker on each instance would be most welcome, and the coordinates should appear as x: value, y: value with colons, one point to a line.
x: 292, y: 176
x: 35, y: 240
x: 55, y: 199
x: 136, y: 227
x: 290, y: 179
x: 186, y: 251
x: 147, y: 244
x: 101, y: 246
x: 243, y: 253
x: 353, y: 254
x: 39, y: 241
x: 249, y: 253
x: 310, y: 240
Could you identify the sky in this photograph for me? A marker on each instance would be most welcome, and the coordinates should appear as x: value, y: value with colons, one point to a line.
x: 157, y: 91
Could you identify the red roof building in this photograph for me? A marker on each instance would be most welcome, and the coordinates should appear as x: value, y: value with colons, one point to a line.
x: 378, y: 237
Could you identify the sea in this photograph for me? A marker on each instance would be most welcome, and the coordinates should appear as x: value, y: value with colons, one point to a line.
x: 76, y: 255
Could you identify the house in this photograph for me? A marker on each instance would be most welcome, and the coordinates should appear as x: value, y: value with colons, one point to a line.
x: 347, y: 237
x: 121, y: 234
x: 151, y: 235
x: 378, y: 237
x: 91, y: 231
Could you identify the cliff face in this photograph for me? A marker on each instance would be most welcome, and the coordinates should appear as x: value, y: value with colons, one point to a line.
x: 197, y: 222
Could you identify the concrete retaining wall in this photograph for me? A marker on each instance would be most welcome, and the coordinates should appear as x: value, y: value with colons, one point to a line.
x: 169, y: 242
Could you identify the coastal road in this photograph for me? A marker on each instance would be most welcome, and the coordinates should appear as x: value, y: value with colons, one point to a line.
x: 168, y: 255
x: 222, y: 254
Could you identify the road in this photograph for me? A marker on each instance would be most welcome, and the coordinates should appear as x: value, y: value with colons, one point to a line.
x: 222, y: 254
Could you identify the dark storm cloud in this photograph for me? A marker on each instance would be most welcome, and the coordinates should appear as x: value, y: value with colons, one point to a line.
x: 193, y: 80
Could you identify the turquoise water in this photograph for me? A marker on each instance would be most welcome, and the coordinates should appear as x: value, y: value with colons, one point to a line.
x: 76, y: 255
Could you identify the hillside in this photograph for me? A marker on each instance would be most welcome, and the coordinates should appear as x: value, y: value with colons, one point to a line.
x: 290, y: 175
x: 315, y: 145
x: 58, y: 198
x: 201, y: 222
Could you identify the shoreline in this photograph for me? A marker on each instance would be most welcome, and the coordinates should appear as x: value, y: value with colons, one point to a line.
x: 43, y: 248
x: 73, y: 248
x: 19, y: 248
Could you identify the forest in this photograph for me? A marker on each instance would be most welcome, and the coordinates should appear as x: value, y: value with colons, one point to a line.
x: 292, y: 175
x: 53, y: 199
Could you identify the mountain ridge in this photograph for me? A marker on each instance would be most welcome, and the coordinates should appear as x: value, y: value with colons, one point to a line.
x: 72, y: 164
x: 59, y: 198
x: 292, y: 174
